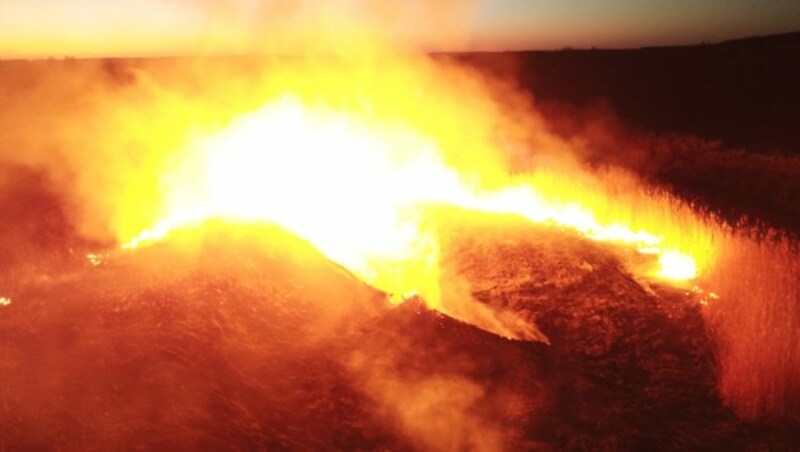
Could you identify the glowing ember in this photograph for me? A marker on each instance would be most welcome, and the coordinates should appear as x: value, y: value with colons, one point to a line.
x: 703, y: 297
x: 95, y: 259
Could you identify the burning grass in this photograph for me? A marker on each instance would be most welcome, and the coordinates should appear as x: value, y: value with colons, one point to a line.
x: 757, y: 323
x: 360, y: 157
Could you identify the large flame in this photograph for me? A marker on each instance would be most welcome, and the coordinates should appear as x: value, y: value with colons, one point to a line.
x: 359, y: 166
x: 357, y: 154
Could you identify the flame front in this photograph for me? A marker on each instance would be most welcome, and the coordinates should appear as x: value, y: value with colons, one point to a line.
x: 357, y: 169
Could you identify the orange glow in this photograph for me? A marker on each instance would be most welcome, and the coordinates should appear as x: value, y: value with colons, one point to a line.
x: 97, y: 28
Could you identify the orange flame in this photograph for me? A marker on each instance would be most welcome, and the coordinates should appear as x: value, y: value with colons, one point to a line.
x: 361, y: 184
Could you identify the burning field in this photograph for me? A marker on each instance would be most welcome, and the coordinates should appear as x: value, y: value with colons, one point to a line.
x: 371, y: 250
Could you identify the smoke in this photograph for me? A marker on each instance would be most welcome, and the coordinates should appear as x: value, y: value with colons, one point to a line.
x: 281, y: 27
x: 438, y: 412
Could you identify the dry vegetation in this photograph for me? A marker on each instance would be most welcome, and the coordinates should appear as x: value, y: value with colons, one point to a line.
x: 177, y: 353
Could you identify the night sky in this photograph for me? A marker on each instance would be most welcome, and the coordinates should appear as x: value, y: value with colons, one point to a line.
x: 148, y: 27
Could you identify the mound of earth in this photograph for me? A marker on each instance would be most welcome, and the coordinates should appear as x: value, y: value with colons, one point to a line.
x: 251, y: 339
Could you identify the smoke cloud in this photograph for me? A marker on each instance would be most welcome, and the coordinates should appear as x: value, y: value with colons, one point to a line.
x: 280, y: 26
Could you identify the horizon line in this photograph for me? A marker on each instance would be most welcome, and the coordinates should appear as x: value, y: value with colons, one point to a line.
x: 567, y: 48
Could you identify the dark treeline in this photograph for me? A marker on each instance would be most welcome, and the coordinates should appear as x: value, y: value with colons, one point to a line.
x: 744, y: 93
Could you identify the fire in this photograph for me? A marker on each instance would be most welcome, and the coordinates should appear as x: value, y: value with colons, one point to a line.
x: 364, y: 185
x: 677, y: 266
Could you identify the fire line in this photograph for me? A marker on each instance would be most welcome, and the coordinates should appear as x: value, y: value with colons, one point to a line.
x: 359, y: 192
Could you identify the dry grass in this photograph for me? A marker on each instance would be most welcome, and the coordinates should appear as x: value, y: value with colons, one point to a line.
x: 756, y: 322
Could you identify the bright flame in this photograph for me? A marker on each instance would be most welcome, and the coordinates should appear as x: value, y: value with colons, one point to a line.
x: 363, y: 155
x: 362, y: 192
x: 4, y: 301
x: 675, y: 265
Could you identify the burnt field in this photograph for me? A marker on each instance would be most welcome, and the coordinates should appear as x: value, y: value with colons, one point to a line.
x: 243, y: 335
